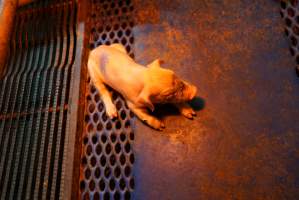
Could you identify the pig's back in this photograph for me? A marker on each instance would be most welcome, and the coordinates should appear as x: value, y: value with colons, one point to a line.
x: 116, y: 69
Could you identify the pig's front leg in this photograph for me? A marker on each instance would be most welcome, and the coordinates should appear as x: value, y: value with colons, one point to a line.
x: 142, y: 114
x: 185, y: 110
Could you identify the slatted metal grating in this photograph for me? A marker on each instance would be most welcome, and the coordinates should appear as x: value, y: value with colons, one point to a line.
x: 107, y: 157
x: 34, y: 100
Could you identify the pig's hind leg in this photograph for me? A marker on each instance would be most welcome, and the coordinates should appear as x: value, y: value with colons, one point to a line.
x: 107, y: 100
x: 104, y: 92
x: 142, y: 114
x: 185, y: 110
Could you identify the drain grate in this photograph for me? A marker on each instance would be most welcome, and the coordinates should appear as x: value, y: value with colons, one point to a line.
x: 34, y: 97
x: 290, y: 14
x: 107, y: 157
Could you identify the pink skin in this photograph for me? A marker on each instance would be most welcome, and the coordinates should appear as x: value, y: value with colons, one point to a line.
x: 141, y: 86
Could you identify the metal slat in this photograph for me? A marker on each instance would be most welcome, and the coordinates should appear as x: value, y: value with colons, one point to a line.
x: 14, y: 138
x: 12, y: 69
x: 33, y: 182
x: 48, y: 124
x: 53, y: 131
x: 10, y: 62
x: 5, y: 91
x: 11, y: 97
x: 62, y: 114
x: 58, y: 120
x: 28, y: 128
x: 15, y: 135
x: 38, y: 100
x: 25, y: 145
x: 46, y: 96
x: 37, y: 103
x: 24, y: 95
x: 69, y: 158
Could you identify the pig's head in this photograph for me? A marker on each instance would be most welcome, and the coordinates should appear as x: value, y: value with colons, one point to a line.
x: 163, y: 86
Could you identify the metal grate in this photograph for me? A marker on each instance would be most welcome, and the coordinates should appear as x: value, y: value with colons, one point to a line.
x: 290, y: 14
x: 107, y: 158
x: 112, y: 22
x: 34, y: 97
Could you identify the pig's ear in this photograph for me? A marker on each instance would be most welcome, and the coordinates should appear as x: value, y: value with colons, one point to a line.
x: 156, y: 63
x: 144, y: 99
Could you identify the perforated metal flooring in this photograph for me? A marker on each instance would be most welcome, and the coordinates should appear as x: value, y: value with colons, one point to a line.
x: 289, y: 12
x: 107, y: 157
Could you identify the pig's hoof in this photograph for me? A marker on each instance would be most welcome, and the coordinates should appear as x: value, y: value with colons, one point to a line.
x: 157, y: 124
x: 112, y: 112
x: 188, y: 113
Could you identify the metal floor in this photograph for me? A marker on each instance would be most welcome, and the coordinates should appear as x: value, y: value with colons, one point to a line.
x: 244, y: 142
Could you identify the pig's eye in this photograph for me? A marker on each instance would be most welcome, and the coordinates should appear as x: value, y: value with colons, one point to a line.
x: 181, y: 86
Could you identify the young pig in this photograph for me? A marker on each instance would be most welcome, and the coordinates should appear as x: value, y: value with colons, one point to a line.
x: 141, y: 86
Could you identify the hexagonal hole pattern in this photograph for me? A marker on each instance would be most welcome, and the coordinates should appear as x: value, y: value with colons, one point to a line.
x: 107, y: 158
x: 290, y: 14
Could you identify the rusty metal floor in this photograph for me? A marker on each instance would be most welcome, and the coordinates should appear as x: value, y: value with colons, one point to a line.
x: 244, y: 142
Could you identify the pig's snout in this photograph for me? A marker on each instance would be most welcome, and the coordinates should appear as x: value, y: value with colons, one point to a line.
x: 189, y: 91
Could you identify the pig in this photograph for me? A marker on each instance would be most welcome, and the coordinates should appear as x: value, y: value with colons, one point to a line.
x: 141, y: 86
